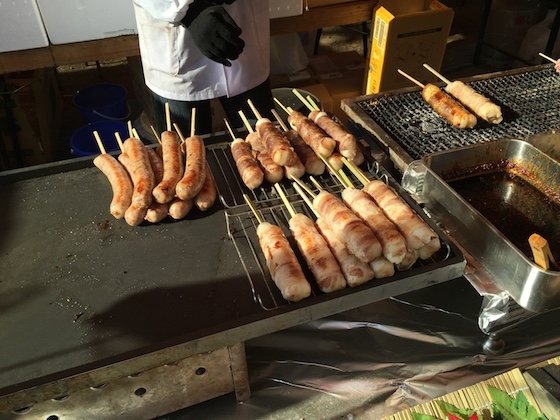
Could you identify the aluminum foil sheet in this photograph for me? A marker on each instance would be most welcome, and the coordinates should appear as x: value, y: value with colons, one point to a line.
x: 379, y: 359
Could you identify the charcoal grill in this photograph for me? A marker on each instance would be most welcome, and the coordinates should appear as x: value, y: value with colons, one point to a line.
x: 407, y: 127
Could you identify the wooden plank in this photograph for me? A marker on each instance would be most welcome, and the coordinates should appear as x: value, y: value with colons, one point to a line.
x: 322, y: 17
x: 11, y: 62
x: 97, y: 50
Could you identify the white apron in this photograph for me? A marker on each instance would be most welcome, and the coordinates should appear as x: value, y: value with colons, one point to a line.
x: 174, y: 68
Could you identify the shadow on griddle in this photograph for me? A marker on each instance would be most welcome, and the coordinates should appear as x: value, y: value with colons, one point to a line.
x: 168, y: 314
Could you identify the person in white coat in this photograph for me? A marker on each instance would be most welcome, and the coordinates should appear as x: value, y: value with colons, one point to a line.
x: 193, y: 51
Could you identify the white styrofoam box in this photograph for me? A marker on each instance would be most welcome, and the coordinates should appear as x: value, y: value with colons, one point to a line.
x: 284, y: 8
x: 21, y: 27
x: 84, y: 20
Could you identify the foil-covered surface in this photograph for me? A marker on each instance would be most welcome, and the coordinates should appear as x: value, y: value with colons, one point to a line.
x: 381, y: 358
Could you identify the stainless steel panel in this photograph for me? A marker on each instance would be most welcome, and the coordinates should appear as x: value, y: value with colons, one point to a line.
x: 532, y: 287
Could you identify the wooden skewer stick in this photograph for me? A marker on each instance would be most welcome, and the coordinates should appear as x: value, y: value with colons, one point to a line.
x: 246, y: 122
x: 99, y: 142
x: 347, y: 183
x: 437, y: 74
x: 231, y: 133
x: 135, y: 133
x: 254, y: 109
x: 179, y: 132
x: 316, y: 183
x: 541, y: 251
x: 355, y: 170
x: 167, y: 117
x: 285, y: 200
x: 253, y: 208
x: 552, y: 60
x: 279, y: 119
x: 193, y: 121
x: 305, y: 197
x: 155, y: 134
x: 304, y: 186
x: 312, y: 103
x: 282, y: 106
x: 119, y: 140
x: 333, y: 171
x: 302, y: 99
x: 129, y: 125
x: 409, y: 77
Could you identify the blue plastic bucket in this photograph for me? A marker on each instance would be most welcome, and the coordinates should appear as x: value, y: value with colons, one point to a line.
x: 105, y: 101
x: 83, y: 143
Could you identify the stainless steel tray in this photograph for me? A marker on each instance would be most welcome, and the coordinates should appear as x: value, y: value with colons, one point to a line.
x: 501, y: 256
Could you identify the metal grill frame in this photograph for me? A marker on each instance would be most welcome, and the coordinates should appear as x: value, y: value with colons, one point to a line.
x: 407, y: 127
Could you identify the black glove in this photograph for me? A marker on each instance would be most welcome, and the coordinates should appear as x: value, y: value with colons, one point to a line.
x: 214, y: 31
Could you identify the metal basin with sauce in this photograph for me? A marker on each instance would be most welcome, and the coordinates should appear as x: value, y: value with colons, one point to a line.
x: 491, y: 197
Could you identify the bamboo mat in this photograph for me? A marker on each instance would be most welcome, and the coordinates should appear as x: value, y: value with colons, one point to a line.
x: 474, y: 397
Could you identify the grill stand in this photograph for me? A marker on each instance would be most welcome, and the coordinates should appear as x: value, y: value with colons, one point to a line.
x: 152, y: 393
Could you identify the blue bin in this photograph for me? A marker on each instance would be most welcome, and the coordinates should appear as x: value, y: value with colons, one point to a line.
x: 83, y: 143
x: 105, y: 101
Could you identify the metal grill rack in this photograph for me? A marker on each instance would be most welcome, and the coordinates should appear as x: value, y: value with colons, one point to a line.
x: 409, y: 127
x: 446, y: 264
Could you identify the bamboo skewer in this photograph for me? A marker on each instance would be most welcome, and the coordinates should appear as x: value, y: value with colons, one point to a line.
x: 119, y: 140
x: 541, y: 251
x: 412, y: 79
x: 312, y: 103
x: 254, y: 109
x: 282, y: 106
x: 302, y: 99
x: 129, y: 125
x: 285, y: 200
x: 253, y: 209
x: 167, y: 117
x: 552, y: 60
x: 304, y: 186
x: 437, y: 74
x: 358, y: 173
x: 279, y: 119
x: 99, y: 142
x: 305, y: 198
x: 246, y: 121
x: 193, y: 122
x: 179, y: 132
x: 154, y: 132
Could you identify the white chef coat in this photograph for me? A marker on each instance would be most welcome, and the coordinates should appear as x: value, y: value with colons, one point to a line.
x: 174, y: 67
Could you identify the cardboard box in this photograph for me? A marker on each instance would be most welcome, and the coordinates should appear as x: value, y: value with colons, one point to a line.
x: 405, y: 36
x: 342, y: 74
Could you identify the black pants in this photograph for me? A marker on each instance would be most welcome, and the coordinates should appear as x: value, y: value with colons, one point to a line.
x: 180, y: 111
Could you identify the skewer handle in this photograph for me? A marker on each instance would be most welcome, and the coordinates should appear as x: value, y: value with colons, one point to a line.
x: 409, y: 77
x: 285, y: 200
x: 193, y: 121
x: 99, y: 142
x: 253, y: 208
x: 302, y: 99
x: 437, y: 74
x: 541, y: 251
x: 279, y: 119
x: 254, y: 109
x: 245, y: 121
x: 552, y: 60
x: 281, y: 105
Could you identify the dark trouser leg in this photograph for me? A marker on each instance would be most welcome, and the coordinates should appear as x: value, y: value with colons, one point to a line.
x: 180, y: 114
x: 261, y: 96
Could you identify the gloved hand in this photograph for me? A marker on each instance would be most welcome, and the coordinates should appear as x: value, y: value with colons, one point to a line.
x: 214, y: 31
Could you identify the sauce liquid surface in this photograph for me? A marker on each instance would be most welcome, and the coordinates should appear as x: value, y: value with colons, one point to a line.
x: 514, y: 206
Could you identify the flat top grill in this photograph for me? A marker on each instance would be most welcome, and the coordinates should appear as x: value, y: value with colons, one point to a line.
x: 85, y: 293
x: 405, y: 123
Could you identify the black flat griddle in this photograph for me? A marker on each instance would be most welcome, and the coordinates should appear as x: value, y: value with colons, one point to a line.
x: 86, y: 298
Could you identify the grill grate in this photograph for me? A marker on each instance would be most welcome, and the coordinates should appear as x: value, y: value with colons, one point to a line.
x: 529, y: 100
x: 446, y: 264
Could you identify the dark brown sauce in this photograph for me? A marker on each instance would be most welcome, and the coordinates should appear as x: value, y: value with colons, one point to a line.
x: 514, y: 206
